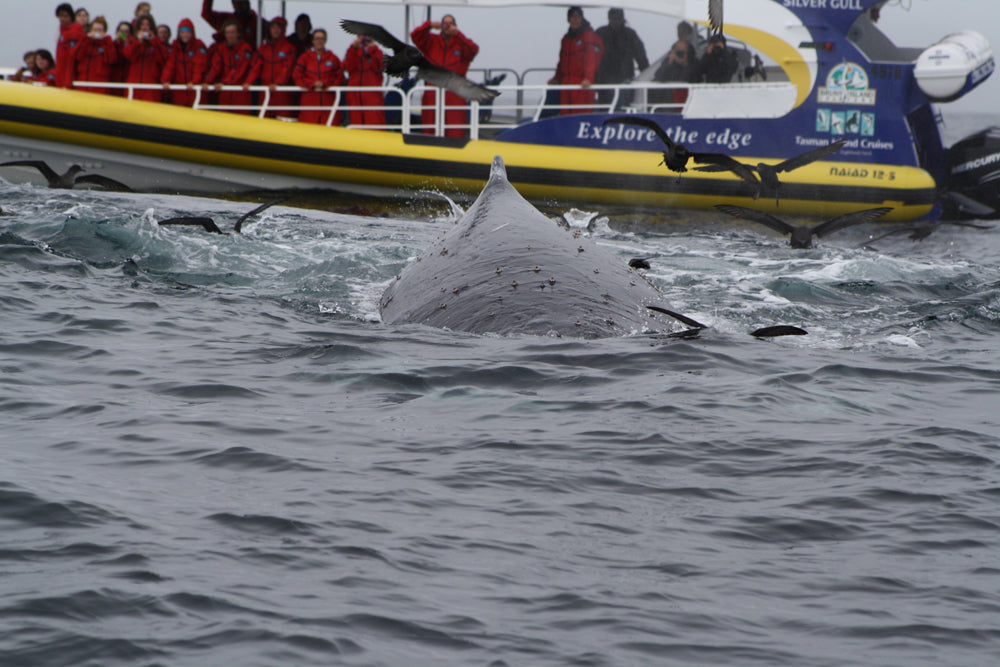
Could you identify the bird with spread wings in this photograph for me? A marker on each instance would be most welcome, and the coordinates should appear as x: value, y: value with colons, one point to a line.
x: 404, y: 56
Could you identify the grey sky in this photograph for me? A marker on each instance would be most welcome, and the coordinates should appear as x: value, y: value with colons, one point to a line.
x: 518, y: 37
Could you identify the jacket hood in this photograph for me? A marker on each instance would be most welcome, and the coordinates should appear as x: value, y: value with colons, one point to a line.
x: 186, y: 23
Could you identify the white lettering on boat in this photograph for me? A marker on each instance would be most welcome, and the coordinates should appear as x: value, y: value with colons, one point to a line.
x: 728, y: 138
x: 822, y: 4
x: 978, y: 163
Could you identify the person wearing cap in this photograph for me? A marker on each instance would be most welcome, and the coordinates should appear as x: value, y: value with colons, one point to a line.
x: 363, y: 66
x: 71, y: 35
x: 579, y: 57
x: 452, y: 50
x: 186, y: 64
x: 273, y: 65
x: 719, y: 63
x: 622, y: 48
x: 301, y: 39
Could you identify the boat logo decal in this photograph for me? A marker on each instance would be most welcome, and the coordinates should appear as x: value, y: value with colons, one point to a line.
x: 847, y: 83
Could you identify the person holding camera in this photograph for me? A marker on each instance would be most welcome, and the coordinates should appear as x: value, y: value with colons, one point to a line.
x: 146, y: 56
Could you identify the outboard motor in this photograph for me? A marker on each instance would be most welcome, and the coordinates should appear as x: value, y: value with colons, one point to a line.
x: 973, y: 188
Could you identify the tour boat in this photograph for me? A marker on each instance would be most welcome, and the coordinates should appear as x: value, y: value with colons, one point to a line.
x: 811, y: 72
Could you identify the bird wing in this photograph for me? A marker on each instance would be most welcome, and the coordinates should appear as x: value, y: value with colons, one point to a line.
x: 722, y: 162
x: 51, y: 176
x: 376, y: 32
x: 683, y: 319
x: 643, y: 122
x: 715, y: 15
x: 849, y: 220
x: 104, y: 182
x: 810, y: 156
x: 239, y: 223
x: 207, y: 223
x: 763, y: 218
x: 456, y: 83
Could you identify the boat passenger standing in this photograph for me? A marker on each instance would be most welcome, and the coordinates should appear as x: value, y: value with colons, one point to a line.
x: 96, y: 55
x: 146, y: 56
x: 317, y: 70
x: 119, y: 71
x: 579, y: 57
x: 719, y: 63
x: 71, y: 34
x: 301, y: 39
x: 363, y: 64
x: 231, y: 65
x: 245, y: 18
x: 273, y: 64
x: 452, y: 50
x: 187, y: 64
x: 622, y: 48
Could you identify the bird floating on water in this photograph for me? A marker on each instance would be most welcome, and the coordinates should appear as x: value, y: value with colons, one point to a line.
x: 404, y: 56
x: 69, y: 179
x: 802, y: 235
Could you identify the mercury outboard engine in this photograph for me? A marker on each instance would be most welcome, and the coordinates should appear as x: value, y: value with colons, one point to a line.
x: 973, y: 188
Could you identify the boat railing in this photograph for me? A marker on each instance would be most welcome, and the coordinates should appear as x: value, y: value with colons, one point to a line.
x: 518, y: 102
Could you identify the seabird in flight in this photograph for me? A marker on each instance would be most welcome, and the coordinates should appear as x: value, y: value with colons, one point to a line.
x: 802, y: 235
x: 209, y: 225
x: 70, y: 178
x: 677, y: 155
x: 405, y: 56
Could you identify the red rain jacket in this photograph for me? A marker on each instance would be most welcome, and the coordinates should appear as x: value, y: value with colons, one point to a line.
x: 579, y: 56
x: 456, y: 54
x: 310, y: 68
x: 70, y: 38
x: 186, y: 63
x: 273, y: 63
x: 94, y: 58
x: 146, y: 58
x: 248, y: 23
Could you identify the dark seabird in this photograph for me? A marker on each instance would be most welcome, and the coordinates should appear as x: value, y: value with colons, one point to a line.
x: 640, y: 263
x: 677, y: 155
x: 918, y: 231
x: 404, y: 56
x: 209, y: 225
x: 802, y: 235
x: 70, y: 178
x: 696, y: 327
x: 768, y: 173
x: 715, y: 16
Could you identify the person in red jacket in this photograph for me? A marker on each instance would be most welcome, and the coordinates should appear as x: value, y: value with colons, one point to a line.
x: 187, y: 64
x: 273, y: 65
x: 231, y: 65
x: 46, y: 66
x: 363, y: 65
x: 119, y: 71
x: 246, y: 20
x: 27, y: 73
x: 579, y: 56
x: 71, y: 34
x: 454, y: 51
x: 96, y: 55
x: 316, y: 70
x: 146, y: 56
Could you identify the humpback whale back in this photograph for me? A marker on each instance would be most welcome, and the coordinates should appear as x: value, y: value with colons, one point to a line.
x: 505, y: 268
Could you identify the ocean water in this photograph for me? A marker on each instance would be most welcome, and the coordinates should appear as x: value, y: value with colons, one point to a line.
x: 213, y: 453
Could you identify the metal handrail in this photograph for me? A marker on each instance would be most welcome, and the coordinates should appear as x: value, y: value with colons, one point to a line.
x: 504, y: 115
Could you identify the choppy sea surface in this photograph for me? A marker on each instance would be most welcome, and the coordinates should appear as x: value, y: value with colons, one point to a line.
x: 213, y: 453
